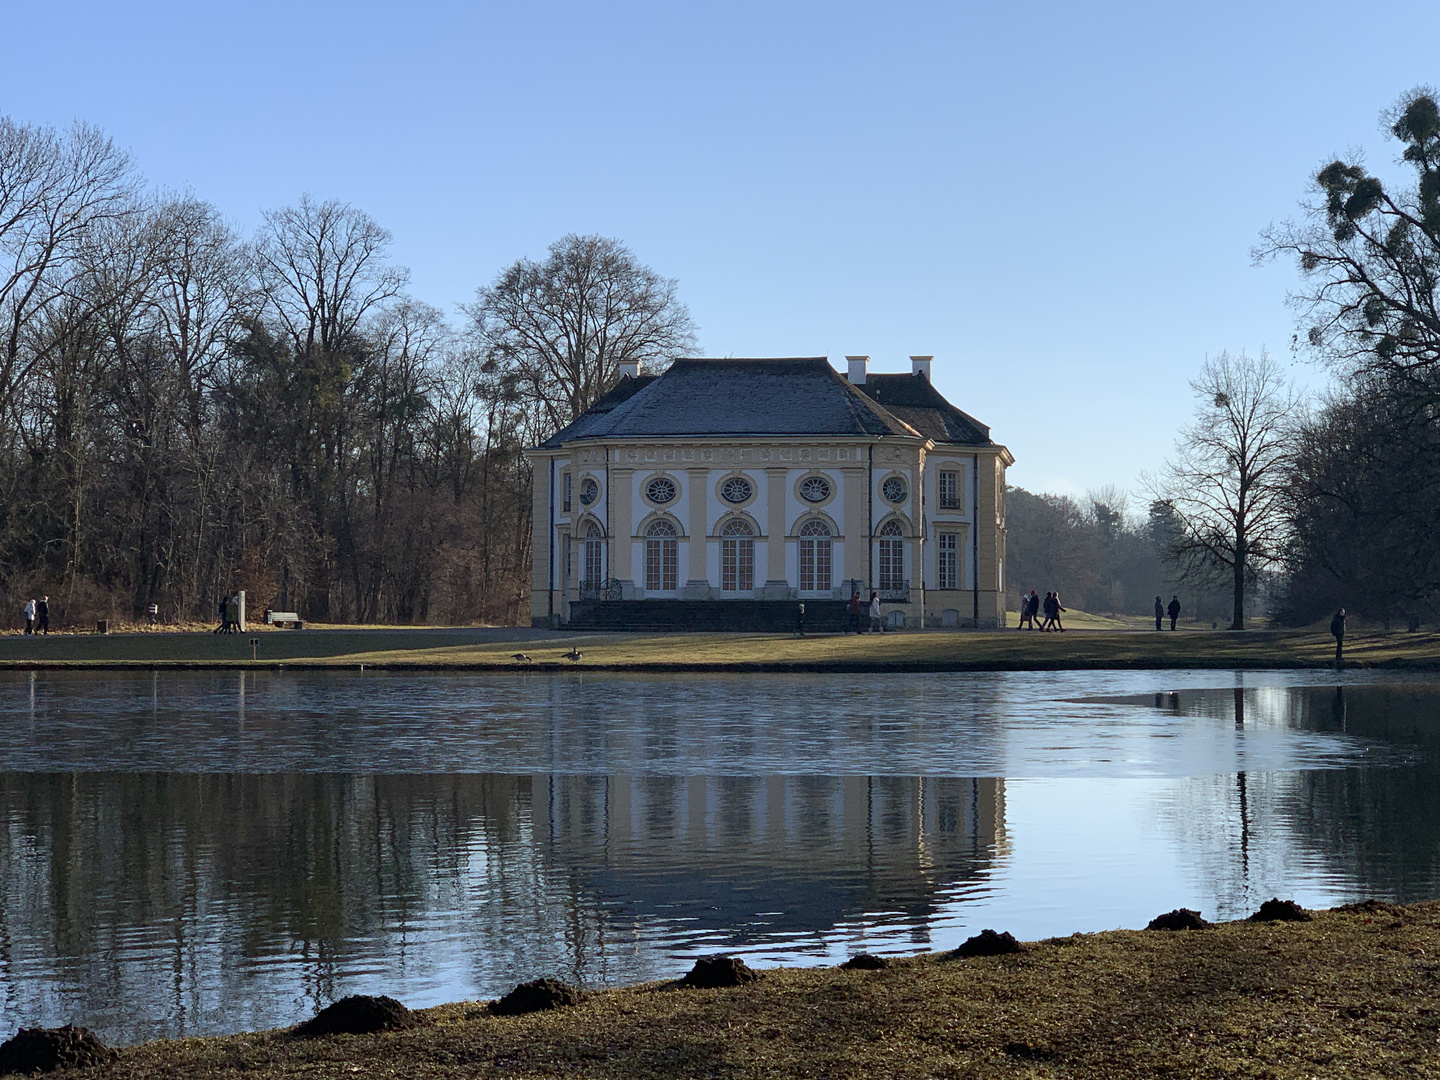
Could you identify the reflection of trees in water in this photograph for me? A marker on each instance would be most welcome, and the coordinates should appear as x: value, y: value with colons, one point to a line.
x: 1372, y: 830
x: 150, y: 904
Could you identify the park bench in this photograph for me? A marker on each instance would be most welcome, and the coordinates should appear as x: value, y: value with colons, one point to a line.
x: 276, y: 618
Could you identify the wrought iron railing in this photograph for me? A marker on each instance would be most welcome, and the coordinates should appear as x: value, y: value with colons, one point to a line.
x: 601, y: 590
x: 895, y: 594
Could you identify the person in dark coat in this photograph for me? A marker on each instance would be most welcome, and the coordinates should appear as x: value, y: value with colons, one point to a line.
x: 1159, y: 614
x: 800, y: 620
x: 1337, y: 628
x: 42, y: 615
x: 224, y: 627
x: 1052, y: 609
x: 1173, y: 610
x: 854, y: 612
x: 1034, y: 610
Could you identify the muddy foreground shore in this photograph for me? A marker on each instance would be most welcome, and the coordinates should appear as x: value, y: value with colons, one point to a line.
x: 1353, y: 992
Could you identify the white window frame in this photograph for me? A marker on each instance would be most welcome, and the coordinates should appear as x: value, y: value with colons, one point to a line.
x: 662, y: 558
x: 954, y: 498
x: 816, y: 551
x: 737, y: 558
x: 947, y: 560
x: 892, y: 557
x: 594, y: 558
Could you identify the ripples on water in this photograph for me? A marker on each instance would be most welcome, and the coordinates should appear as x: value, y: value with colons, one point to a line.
x: 188, y: 853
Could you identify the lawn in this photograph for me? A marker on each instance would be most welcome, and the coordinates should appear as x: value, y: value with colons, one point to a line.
x: 481, y: 648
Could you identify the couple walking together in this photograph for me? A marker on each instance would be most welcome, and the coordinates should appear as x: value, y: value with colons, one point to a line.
x: 229, y: 615
x: 1030, y: 607
x: 37, y: 616
x: 877, y: 623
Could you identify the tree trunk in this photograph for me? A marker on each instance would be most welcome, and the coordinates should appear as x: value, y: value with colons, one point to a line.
x: 1238, y: 623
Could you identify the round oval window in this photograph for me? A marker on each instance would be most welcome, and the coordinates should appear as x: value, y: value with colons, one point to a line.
x: 589, y: 491
x: 815, y: 489
x: 893, y: 489
x: 736, y: 490
x: 660, y: 490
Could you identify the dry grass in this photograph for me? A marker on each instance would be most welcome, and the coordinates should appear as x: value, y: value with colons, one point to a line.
x: 930, y: 650
x: 1351, y: 994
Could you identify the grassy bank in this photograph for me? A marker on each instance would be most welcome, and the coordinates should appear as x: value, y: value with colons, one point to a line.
x: 931, y: 650
x: 1352, y: 993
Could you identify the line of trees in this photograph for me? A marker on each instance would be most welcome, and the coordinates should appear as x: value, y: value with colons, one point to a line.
x: 1100, y: 555
x: 186, y: 411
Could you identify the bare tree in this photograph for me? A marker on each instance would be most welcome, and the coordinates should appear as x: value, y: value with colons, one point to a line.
x: 323, y: 271
x: 561, y: 326
x: 54, y: 188
x: 1225, y: 487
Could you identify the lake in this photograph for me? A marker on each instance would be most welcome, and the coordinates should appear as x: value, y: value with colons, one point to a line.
x: 200, y: 853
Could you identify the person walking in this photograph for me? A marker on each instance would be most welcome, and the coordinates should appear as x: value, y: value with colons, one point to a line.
x: 42, y: 615
x: 1049, y: 612
x: 224, y: 627
x: 1173, y: 610
x: 800, y: 620
x: 1337, y: 627
x: 1159, y: 614
x: 854, y: 611
x: 1025, y: 611
x: 234, y: 615
x: 875, y: 624
x: 1056, y: 609
x: 1034, y: 610
x: 29, y: 611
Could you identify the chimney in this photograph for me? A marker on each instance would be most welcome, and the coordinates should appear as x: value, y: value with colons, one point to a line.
x: 920, y: 365
x: 629, y: 369
x: 857, y: 365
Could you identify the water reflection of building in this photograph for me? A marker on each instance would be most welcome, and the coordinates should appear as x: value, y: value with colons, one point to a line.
x: 752, y: 857
x: 167, y: 904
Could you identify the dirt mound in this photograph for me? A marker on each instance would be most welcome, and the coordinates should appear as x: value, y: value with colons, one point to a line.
x: 1368, y: 907
x: 711, y: 972
x: 536, y: 996
x: 359, y: 1014
x: 989, y: 943
x: 865, y: 962
x: 1278, y: 910
x: 32, y: 1050
x: 1179, y: 919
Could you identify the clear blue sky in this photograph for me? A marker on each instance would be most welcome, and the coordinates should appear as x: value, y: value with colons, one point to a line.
x: 1057, y: 200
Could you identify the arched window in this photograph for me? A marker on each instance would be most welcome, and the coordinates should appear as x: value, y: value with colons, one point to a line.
x: 594, y: 557
x: 660, y: 557
x: 892, y: 556
x: 815, y: 557
x: 737, y: 556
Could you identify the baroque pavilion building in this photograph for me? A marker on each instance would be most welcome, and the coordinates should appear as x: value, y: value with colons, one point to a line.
x: 721, y: 493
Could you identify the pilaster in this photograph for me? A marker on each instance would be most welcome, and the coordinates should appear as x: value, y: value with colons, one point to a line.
x: 621, y: 527
x: 776, y: 586
x: 857, y: 532
x: 697, y: 585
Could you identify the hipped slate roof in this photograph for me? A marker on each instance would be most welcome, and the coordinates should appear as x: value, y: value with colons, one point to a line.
x: 790, y: 396
x: 787, y: 396
x: 914, y: 400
